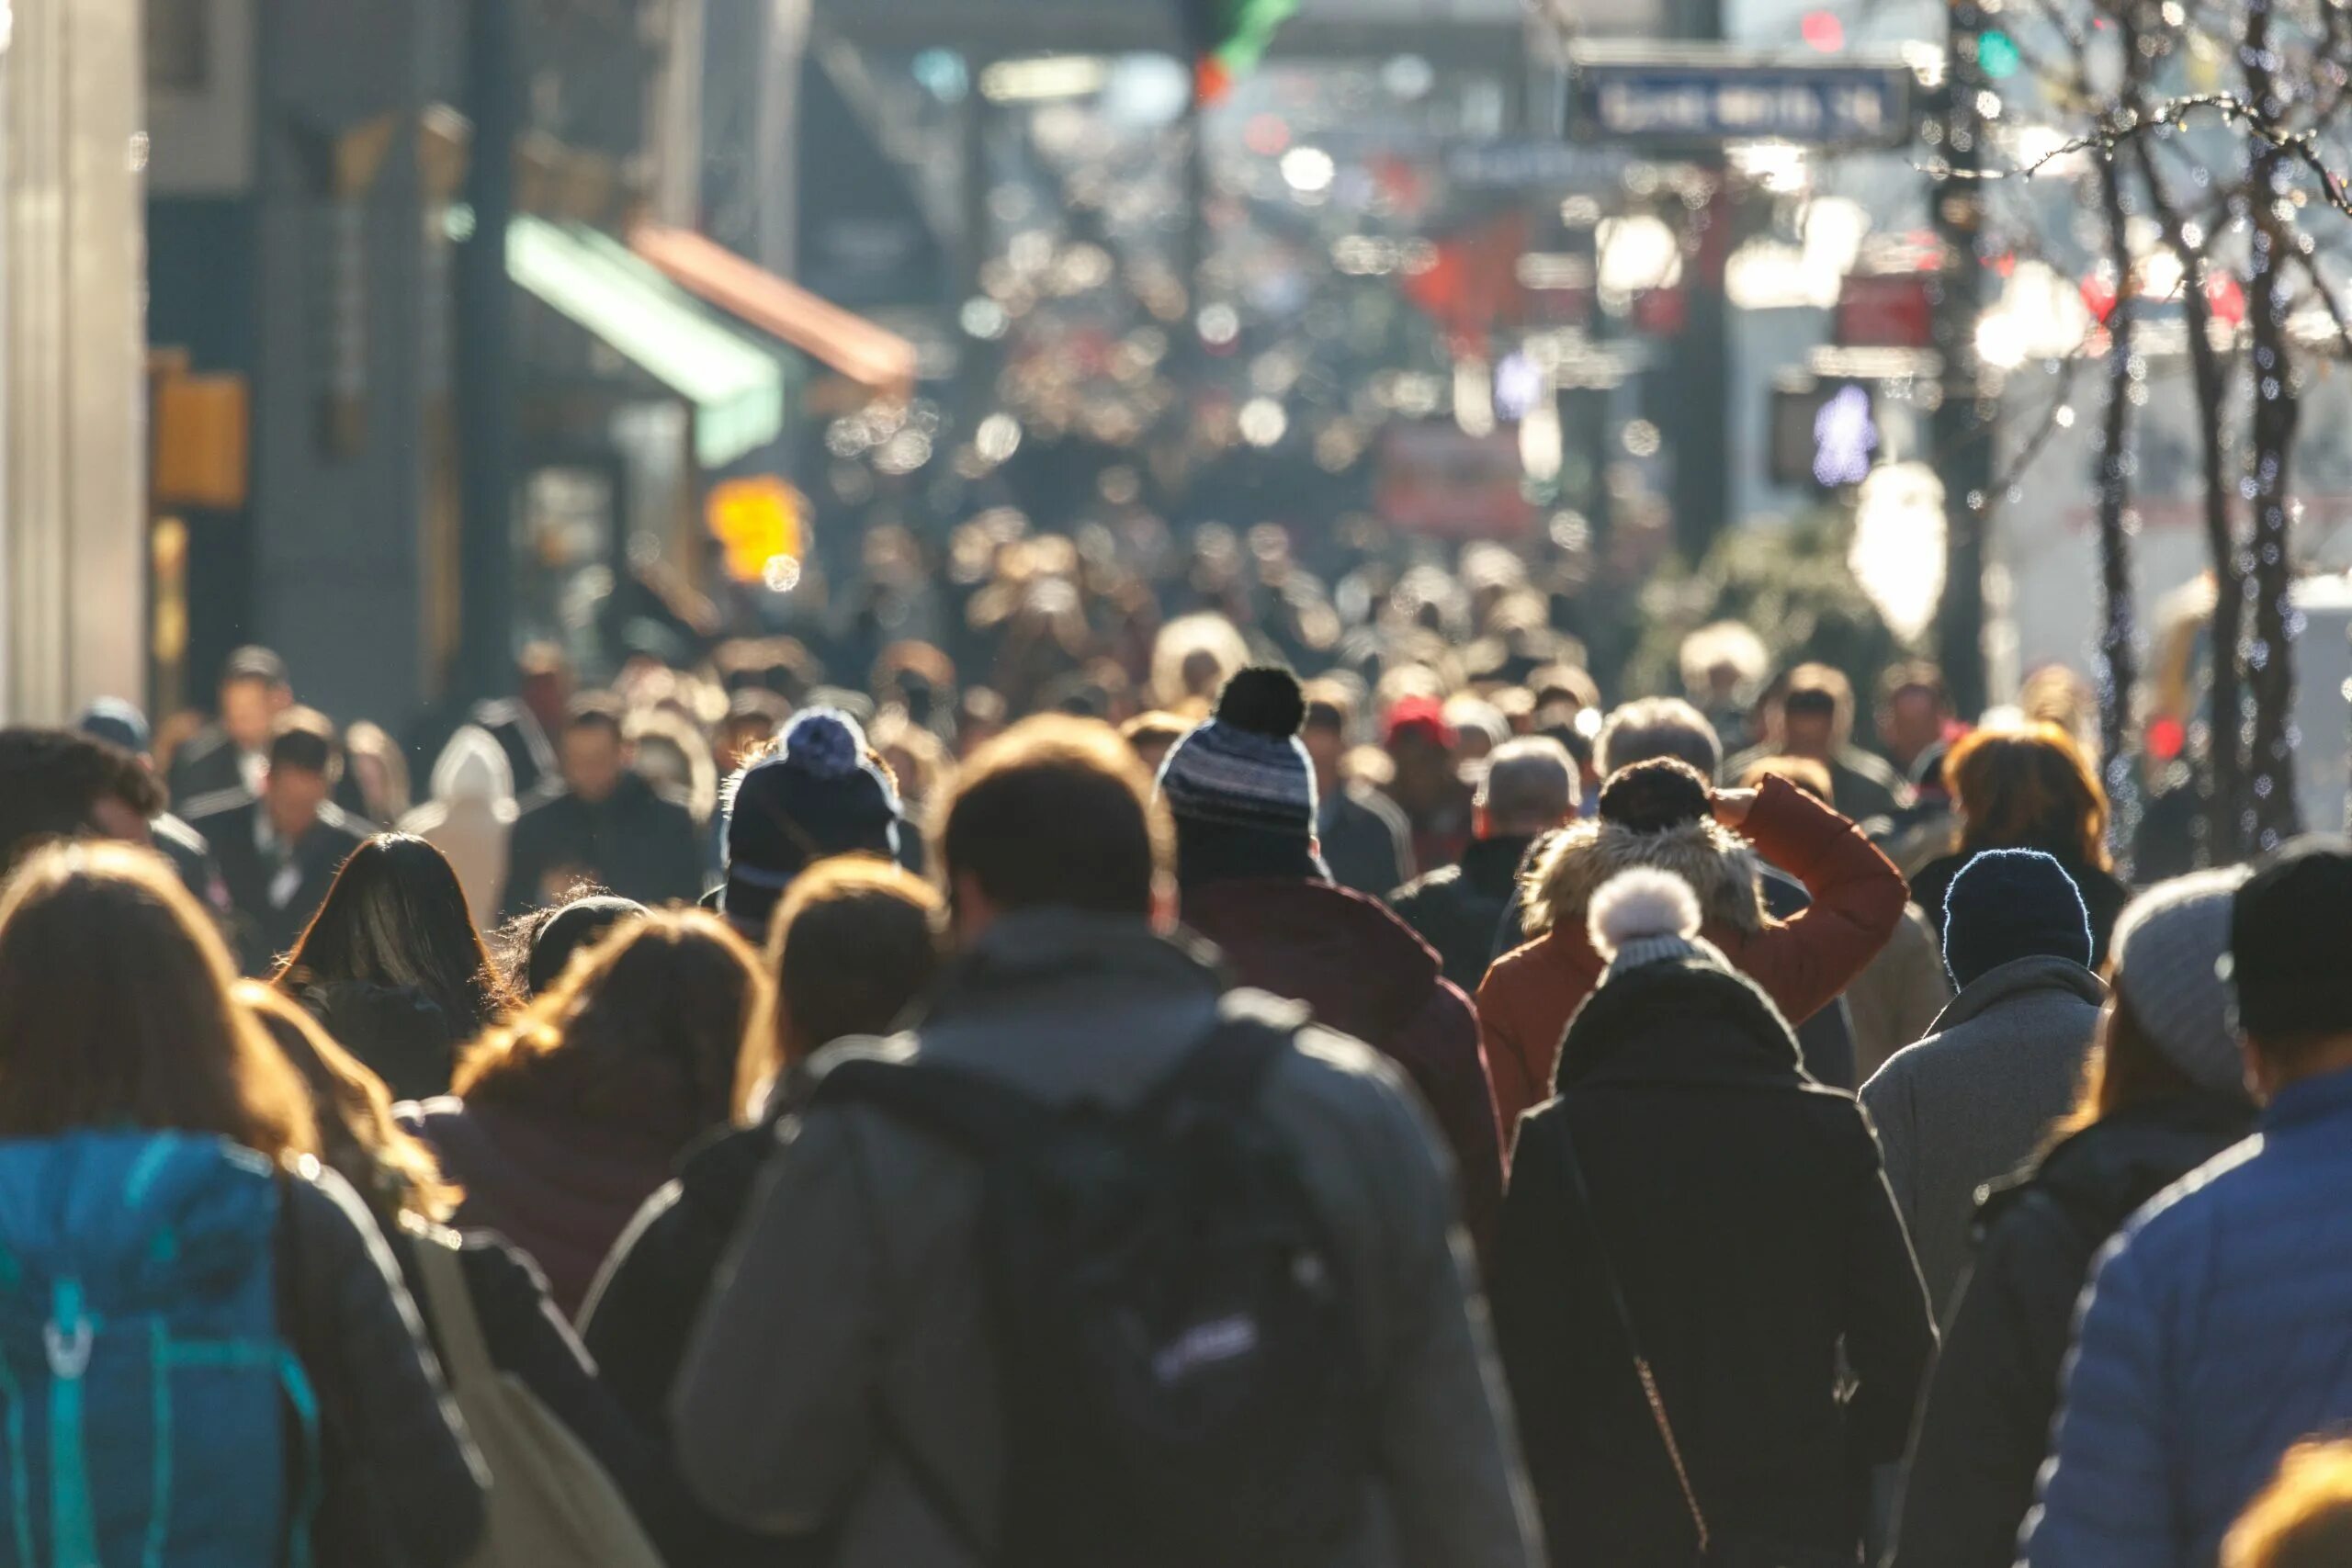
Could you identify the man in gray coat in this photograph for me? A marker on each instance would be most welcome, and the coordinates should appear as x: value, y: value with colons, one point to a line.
x: 843, y: 1375
x: 1972, y: 1101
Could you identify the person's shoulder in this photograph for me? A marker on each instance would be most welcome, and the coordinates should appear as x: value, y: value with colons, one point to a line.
x: 343, y: 825
x: 2184, y: 1218
x: 1872, y: 766
x: 1430, y: 887
x: 210, y: 814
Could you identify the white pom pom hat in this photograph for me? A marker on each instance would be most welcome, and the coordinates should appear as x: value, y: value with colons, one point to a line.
x: 1646, y: 916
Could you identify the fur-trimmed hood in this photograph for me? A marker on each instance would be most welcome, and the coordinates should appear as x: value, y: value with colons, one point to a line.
x: 1722, y: 868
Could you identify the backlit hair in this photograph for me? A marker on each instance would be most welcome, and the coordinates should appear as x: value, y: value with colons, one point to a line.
x: 2303, y: 1518
x: 2030, y: 788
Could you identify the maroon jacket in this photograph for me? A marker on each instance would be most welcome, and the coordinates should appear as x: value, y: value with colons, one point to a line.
x: 1366, y: 974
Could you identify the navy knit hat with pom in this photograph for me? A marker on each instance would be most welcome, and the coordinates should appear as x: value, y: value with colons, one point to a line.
x: 817, y: 796
x: 1246, y: 767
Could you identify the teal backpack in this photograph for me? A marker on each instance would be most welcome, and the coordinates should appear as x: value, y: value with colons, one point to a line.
x: 147, y: 1398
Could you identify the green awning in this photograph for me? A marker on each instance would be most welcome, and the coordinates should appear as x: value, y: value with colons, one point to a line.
x: 736, y: 386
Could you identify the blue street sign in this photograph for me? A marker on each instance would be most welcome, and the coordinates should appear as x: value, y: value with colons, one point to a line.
x: 1695, y: 97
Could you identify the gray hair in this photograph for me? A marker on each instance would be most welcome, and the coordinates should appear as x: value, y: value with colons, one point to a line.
x: 1530, y: 783
x: 1660, y: 727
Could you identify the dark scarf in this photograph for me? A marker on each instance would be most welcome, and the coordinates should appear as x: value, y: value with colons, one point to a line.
x: 1213, y: 852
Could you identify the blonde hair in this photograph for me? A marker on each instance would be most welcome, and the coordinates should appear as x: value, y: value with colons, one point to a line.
x: 2303, y: 1518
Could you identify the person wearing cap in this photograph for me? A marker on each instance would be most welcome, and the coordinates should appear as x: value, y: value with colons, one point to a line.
x: 231, y: 753
x: 1426, y: 749
x: 1757, y: 1260
x: 822, y: 793
x: 1968, y: 1103
x: 2218, y: 1330
x: 1249, y: 879
x: 279, y: 849
x: 121, y: 724
x: 2165, y: 1092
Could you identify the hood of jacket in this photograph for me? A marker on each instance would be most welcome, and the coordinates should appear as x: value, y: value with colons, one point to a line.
x: 473, y: 767
x: 1570, y: 867
x: 1364, y: 971
x: 1685, y: 1020
x: 2006, y: 983
x: 2102, y: 1175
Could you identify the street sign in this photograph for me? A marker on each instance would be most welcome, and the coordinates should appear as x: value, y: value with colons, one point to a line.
x: 1694, y: 96
x: 1529, y: 165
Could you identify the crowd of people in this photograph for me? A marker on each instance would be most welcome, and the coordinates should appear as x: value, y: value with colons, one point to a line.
x: 1145, y: 1106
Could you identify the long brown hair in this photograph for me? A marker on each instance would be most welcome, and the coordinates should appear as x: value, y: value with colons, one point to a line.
x: 2124, y: 1068
x: 645, y: 1030
x: 854, y: 943
x: 114, y: 1010
x: 386, y: 1164
x: 395, y: 916
x: 2028, y: 789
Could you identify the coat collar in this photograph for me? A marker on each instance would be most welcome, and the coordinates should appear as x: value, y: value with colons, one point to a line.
x: 2018, y: 977
x: 2325, y: 1098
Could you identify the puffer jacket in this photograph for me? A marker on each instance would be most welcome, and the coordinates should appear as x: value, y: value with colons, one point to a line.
x: 1366, y: 975
x: 1802, y: 964
x: 2217, y: 1334
x: 1985, y: 1428
x: 1743, y: 1214
x: 846, y: 1355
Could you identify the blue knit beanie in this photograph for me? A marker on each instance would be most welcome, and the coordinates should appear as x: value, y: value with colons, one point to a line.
x: 2011, y: 904
x: 817, y: 796
x: 1246, y: 767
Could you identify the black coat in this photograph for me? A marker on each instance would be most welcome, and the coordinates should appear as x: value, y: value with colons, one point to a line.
x: 2103, y: 896
x: 1749, y: 1223
x: 1455, y: 910
x: 1985, y: 1429
x: 263, y: 928
x: 639, y: 1318
x: 634, y: 842
x: 397, y: 1032
x: 1365, y: 840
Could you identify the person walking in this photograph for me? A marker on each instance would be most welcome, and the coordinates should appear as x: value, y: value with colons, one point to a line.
x: 158, y: 1188
x: 1970, y: 1102
x: 279, y: 849
x: 561, y: 1122
x: 2217, y: 1332
x: 470, y: 816
x: 856, y: 944
x: 1698, y: 1249
x: 1242, y: 794
x: 822, y: 791
x: 1663, y: 813
x: 849, y: 1374
x: 1364, y: 839
x: 603, y: 824
x: 231, y: 753
x: 2163, y: 1093
x: 393, y: 965
x: 1529, y: 789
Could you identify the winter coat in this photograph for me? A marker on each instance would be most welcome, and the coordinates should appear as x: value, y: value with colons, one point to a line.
x: 1985, y: 1428
x: 1455, y: 908
x: 2216, y: 1336
x: 2103, y: 896
x: 471, y: 817
x: 1746, y: 1217
x: 560, y: 1190
x: 642, y: 1311
x: 530, y: 1341
x: 264, y: 926
x: 1802, y: 964
x: 1861, y: 784
x: 401, y: 1486
x: 1366, y: 975
x: 853, y: 1303
x: 636, y: 842
x: 398, y: 1032
x: 1365, y: 840
x: 1894, y: 1000
x: 1972, y: 1101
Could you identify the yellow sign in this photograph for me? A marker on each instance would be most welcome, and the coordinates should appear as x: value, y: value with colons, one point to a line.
x: 757, y: 521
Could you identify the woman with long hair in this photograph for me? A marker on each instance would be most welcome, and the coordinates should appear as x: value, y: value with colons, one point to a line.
x: 394, y: 967
x: 2028, y: 788
x: 567, y: 1117
x: 527, y: 1340
x: 2163, y: 1092
x: 158, y: 1182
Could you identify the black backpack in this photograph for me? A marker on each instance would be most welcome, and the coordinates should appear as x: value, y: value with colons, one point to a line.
x: 1182, y: 1383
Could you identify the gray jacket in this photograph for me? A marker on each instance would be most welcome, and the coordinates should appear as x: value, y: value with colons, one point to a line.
x: 1972, y: 1101
x: 848, y: 1328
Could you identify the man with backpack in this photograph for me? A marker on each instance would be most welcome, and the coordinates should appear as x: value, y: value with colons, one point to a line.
x: 1102, y: 1263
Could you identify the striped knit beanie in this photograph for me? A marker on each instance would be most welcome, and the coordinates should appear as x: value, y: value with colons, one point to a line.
x: 1246, y: 767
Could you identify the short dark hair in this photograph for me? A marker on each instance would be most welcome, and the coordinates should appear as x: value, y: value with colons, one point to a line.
x: 1914, y: 676
x: 1056, y: 813
x: 596, y: 710
x: 254, y: 662
x: 304, y: 738
x: 1821, y: 691
x: 51, y: 779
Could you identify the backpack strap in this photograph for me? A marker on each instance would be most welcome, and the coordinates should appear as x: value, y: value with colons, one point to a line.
x: 977, y: 1111
x: 1251, y: 1032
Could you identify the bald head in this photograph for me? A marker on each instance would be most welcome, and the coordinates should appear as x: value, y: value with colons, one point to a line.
x: 1529, y: 788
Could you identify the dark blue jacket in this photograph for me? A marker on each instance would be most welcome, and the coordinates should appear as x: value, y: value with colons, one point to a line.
x: 2217, y: 1334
